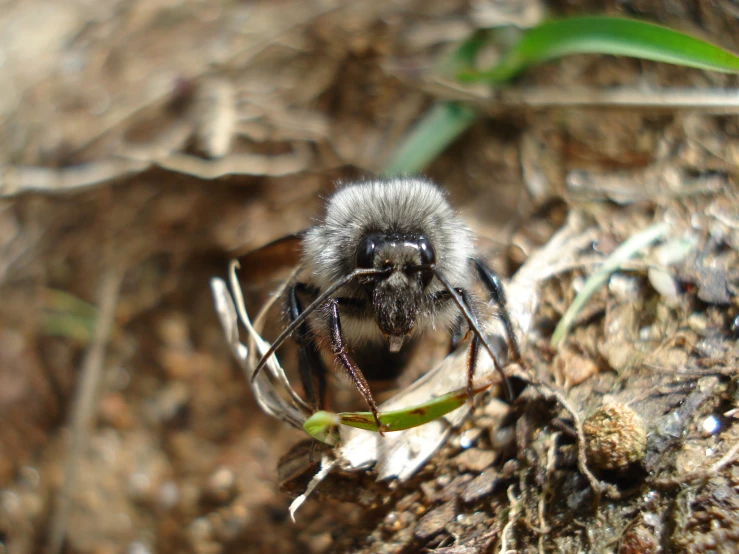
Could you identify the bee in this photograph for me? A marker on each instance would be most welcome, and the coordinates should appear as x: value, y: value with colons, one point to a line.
x: 389, y: 260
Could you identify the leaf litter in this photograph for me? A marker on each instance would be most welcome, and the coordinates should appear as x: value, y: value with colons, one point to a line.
x: 82, y: 155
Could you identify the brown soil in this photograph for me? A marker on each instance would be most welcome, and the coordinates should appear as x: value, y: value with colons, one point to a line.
x: 145, y: 144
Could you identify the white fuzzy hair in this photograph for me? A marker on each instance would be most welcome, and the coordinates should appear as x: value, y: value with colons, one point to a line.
x: 402, y: 204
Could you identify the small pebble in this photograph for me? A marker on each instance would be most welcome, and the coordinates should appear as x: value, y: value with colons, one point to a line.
x: 710, y: 426
x: 475, y: 460
x: 480, y: 486
x: 138, y: 547
x: 221, y: 485
x: 664, y: 282
x: 435, y: 521
x: 168, y: 495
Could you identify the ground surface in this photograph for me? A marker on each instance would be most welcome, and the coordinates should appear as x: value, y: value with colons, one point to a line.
x: 144, y: 144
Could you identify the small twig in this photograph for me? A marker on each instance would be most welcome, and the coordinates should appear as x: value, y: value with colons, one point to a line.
x: 85, y: 402
x: 582, y: 457
x: 547, y: 489
x: 512, y: 518
x: 617, y: 540
x: 239, y: 164
x: 598, y: 487
x: 327, y: 464
x: 564, y: 427
x: 15, y: 180
x: 666, y: 99
x: 700, y: 474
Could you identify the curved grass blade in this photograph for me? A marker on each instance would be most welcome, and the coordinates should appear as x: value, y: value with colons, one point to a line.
x: 579, y: 35
x: 322, y: 424
x: 624, y: 252
x: 430, y: 136
x: 440, y: 126
x: 606, y: 35
x: 66, y: 315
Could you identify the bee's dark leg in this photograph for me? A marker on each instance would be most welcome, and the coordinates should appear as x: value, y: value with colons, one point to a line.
x: 338, y: 347
x: 378, y: 364
x: 457, y: 334
x: 474, y: 350
x: 492, y: 283
x: 444, y: 296
x: 311, y: 368
x: 441, y: 298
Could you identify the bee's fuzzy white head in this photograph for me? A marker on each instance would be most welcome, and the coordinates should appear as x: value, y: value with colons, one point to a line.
x: 397, y: 205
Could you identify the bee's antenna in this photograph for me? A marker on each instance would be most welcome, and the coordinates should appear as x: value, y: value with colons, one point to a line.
x: 475, y: 328
x: 290, y: 329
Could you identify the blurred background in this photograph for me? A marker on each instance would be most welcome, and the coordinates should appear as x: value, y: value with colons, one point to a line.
x: 144, y: 144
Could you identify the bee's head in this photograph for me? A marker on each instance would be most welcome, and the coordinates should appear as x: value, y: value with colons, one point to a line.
x: 407, y: 259
x: 403, y: 228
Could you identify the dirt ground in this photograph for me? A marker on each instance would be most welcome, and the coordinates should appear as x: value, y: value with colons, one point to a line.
x: 145, y: 144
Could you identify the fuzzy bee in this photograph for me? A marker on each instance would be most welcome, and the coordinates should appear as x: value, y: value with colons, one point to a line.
x: 389, y: 260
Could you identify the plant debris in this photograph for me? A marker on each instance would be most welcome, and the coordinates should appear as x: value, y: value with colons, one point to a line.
x: 163, y: 139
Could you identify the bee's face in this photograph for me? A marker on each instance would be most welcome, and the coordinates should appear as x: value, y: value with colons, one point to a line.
x: 404, y: 229
x: 398, y: 295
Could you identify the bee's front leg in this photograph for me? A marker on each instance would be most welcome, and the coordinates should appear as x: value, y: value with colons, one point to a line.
x: 338, y: 347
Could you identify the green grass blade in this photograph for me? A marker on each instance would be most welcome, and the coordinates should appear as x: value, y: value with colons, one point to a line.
x: 62, y: 301
x: 430, y: 136
x: 321, y: 425
x: 66, y: 315
x: 69, y: 326
x: 552, y: 39
x: 465, y: 55
x: 407, y: 418
x: 442, y: 124
x: 624, y: 252
x: 606, y: 35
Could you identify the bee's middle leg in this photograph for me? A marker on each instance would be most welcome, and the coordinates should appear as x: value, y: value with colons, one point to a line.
x: 494, y: 286
x: 311, y: 368
x: 474, y: 349
x: 459, y: 332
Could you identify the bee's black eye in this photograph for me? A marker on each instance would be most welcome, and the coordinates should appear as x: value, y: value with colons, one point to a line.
x: 426, y: 251
x: 366, y: 253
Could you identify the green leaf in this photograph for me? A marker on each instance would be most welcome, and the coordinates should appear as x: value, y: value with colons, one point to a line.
x: 466, y: 54
x: 606, y: 35
x: 430, y: 136
x: 66, y: 315
x: 578, y: 35
x: 62, y: 301
x: 321, y: 424
x: 68, y: 326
